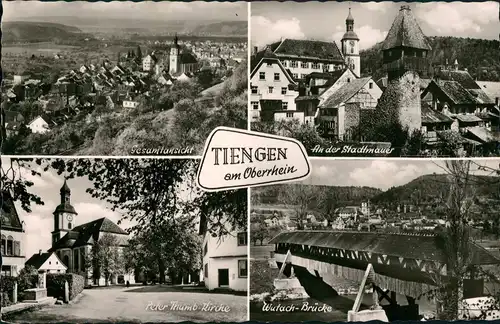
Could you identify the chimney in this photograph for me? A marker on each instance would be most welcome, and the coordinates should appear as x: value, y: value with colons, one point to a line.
x: 40, y: 252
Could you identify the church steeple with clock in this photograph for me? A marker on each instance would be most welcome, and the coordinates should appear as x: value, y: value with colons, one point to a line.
x: 63, y: 215
x: 350, y: 46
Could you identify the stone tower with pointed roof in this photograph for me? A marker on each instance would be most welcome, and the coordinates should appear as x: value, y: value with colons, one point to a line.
x: 405, y: 52
x: 63, y: 215
x: 350, y: 46
x: 174, y: 56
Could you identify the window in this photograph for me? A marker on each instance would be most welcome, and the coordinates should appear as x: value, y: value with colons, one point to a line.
x: 304, y: 65
x: 348, y: 80
x: 70, y: 225
x: 284, y: 105
x: 4, y: 245
x: 270, y: 90
x: 262, y: 75
x: 205, y: 271
x: 293, y: 64
x: 370, y: 85
x: 269, y: 64
x: 242, y: 238
x: 315, y: 66
x: 295, y: 75
x: 352, y: 50
x: 276, y: 76
x: 326, y: 67
x: 50, y: 262
x: 10, y: 245
x: 289, y: 115
x: 17, y: 248
x: 255, y: 105
x: 255, y: 90
x: 205, y: 249
x: 283, y: 90
x: 242, y: 268
x: 6, y: 271
x: 285, y: 63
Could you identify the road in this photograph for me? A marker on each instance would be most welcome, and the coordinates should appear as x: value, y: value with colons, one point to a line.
x: 143, y: 304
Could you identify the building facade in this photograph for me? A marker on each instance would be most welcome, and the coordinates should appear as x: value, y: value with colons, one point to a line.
x: 181, y: 61
x: 73, y: 244
x: 47, y: 262
x: 273, y: 90
x: 225, y: 261
x: 13, y: 238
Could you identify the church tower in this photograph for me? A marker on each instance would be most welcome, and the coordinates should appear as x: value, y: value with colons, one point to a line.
x: 175, y: 56
x: 350, y: 46
x: 405, y: 52
x: 63, y: 215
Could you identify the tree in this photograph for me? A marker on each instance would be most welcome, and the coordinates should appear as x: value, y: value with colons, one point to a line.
x: 138, y: 54
x: 106, y: 258
x: 298, y: 197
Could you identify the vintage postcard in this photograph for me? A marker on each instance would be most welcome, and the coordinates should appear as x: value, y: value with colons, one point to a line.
x: 384, y: 240
x: 121, y: 78
x: 378, y: 78
x: 81, y: 245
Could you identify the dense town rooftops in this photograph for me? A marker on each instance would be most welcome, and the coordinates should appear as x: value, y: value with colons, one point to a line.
x: 406, y: 32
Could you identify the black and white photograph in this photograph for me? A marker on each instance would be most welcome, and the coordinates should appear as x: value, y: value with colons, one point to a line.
x: 120, y: 240
x: 378, y: 78
x: 385, y: 240
x: 121, y: 78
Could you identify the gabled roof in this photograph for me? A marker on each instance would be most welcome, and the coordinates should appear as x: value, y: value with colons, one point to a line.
x: 87, y: 233
x: 406, y: 32
x: 307, y: 48
x: 462, y: 77
x: 344, y: 93
x: 431, y: 116
x: 454, y: 91
x: 269, y: 57
x: 38, y: 259
x: 484, y: 135
x: 10, y: 219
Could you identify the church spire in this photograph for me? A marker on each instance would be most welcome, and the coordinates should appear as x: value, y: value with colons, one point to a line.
x: 176, y: 40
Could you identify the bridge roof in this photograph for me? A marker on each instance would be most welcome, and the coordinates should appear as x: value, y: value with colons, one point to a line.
x: 411, y: 246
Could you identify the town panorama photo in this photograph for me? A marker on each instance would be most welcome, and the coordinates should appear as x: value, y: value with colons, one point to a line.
x: 83, y: 78
x: 378, y: 78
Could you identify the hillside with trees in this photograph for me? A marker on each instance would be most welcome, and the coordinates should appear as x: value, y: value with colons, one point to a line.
x: 479, y: 56
x: 33, y: 32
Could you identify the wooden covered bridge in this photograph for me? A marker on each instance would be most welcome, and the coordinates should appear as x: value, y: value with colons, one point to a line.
x: 405, y: 264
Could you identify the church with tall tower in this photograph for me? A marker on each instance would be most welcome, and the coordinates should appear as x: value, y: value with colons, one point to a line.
x: 181, y: 61
x: 73, y: 243
x: 350, y: 46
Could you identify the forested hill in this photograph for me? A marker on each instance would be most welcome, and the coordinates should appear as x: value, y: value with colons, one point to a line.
x: 433, y: 188
x: 341, y: 196
x: 24, y: 31
x: 480, y: 56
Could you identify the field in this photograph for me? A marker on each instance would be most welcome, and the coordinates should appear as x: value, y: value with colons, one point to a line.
x: 37, y: 49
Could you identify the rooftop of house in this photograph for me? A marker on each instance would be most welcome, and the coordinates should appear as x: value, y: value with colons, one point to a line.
x: 10, y: 218
x: 344, y: 93
x: 431, y: 116
x: 307, y: 49
x: 406, y: 32
x: 87, y: 233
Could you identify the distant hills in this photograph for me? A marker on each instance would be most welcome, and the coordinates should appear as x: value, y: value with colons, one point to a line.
x: 481, y: 57
x: 430, y: 190
x: 67, y: 26
x: 435, y: 188
x: 24, y: 31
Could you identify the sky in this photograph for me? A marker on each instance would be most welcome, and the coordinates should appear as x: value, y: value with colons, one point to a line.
x: 379, y: 173
x: 165, y: 10
x: 372, y: 20
x: 40, y: 222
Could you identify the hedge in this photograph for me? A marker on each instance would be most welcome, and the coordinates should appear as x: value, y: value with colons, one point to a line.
x: 7, y: 287
x: 55, y: 284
